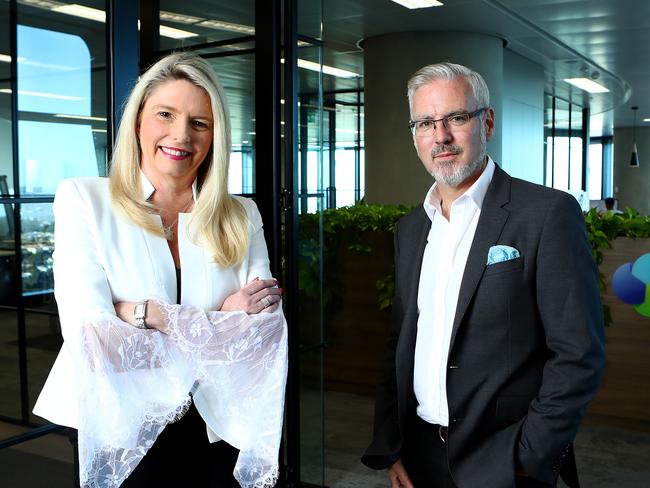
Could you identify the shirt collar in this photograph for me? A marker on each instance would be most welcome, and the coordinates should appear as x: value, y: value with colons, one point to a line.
x: 476, y: 192
x: 148, y: 188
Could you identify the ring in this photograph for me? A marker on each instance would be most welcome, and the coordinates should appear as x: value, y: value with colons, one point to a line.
x: 266, y: 301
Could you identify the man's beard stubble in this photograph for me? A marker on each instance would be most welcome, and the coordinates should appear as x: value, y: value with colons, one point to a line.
x: 455, y: 175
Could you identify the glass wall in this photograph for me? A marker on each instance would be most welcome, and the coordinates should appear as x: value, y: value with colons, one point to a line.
x: 53, y: 104
x: 53, y: 125
x: 564, y: 135
x: 344, y: 147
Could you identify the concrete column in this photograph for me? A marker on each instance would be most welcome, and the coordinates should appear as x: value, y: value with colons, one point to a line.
x: 394, y: 174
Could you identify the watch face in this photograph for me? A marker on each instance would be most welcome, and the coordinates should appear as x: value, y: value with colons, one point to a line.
x: 138, y: 312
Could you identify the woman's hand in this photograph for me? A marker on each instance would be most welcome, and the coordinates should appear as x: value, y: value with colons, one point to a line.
x: 153, y: 319
x: 255, y: 297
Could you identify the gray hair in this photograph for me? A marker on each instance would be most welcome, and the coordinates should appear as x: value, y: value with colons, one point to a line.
x: 450, y: 72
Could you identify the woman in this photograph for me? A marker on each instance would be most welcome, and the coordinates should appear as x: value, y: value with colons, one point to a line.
x: 173, y: 334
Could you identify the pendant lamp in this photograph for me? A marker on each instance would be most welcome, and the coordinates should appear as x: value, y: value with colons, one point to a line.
x: 634, y: 157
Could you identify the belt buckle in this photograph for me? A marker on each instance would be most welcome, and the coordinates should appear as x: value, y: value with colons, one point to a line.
x: 442, y: 433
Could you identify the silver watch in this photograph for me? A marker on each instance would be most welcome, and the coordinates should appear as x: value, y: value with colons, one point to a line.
x: 139, y: 313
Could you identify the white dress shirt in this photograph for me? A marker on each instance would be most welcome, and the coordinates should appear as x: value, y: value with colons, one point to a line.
x: 443, y: 266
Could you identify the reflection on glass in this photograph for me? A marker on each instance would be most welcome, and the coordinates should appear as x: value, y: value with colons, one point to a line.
x: 6, y: 144
x: 56, y: 127
x: 53, y: 72
x: 44, y: 341
x: 7, y: 250
x: 237, y: 76
x: 44, y: 165
x: 575, y: 183
x: 9, y: 372
x: 311, y: 418
x: 37, y: 246
x: 184, y: 24
x: 313, y: 178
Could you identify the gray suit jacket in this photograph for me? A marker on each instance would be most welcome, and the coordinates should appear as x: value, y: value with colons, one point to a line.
x: 527, y: 346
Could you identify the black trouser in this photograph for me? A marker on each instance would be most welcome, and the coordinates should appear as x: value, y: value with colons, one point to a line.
x: 182, y: 457
x: 425, y: 458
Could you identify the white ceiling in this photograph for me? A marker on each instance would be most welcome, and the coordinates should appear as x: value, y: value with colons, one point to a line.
x: 605, y: 38
x: 608, y: 39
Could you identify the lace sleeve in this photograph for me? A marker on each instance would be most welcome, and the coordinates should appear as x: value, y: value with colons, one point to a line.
x: 134, y: 382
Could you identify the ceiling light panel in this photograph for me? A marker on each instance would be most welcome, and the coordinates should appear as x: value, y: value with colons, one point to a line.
x: 227, y: 26
x: 179, y: 18
x: 167, y: 31
x: 81, y: 11
x: 418, y: 3
x: 587, y: 85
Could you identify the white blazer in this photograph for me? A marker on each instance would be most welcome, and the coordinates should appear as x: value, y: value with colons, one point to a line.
x: 101, y: 258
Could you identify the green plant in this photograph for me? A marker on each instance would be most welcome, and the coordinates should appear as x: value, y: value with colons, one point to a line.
x: 603, y: 228
x: 342, y: 225
x: 347, y: 224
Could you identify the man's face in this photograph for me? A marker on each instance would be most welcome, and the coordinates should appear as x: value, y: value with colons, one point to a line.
x: 452, y: 156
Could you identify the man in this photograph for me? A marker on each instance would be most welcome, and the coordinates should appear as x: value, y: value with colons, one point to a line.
x: 497, y: 344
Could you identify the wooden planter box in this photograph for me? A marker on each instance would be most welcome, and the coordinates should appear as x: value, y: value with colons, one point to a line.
x: 625, y: 390
x: 354, y: 330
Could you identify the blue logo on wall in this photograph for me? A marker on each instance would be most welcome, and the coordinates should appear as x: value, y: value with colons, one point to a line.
x: 631, y: 283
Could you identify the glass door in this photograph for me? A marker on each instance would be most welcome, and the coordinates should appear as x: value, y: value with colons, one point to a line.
x: 312, y: 296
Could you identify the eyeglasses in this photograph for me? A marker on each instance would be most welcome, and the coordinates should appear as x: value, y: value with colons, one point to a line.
x: 426, y: 127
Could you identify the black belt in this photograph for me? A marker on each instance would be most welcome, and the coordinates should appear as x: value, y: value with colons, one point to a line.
x: 442, y: 433
x: 441, y: 430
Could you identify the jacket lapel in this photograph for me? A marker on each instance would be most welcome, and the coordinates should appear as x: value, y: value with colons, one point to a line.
x: 414, y: 258
x: 490, y: 224
x: 411, y: 263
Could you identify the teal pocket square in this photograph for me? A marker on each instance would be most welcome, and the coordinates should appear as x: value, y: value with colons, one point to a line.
x: 498, y: 254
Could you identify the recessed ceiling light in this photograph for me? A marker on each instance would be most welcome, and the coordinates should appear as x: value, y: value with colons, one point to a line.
x: 44, y: 95
x: 418, y: 3
x: 172, y: 33
x: 100, y: 16
x: 40, y: 3
x: 227, y: 26
x: 328, y: 70
x: 81, y: 117
x: 179, y: 18
x: 81, y: 11
x: 587, y: 85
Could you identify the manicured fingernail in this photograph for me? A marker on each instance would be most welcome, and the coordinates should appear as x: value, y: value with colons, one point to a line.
x: 256, y: 278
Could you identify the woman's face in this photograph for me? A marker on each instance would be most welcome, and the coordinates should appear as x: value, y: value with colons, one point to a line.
x: 175, y: 130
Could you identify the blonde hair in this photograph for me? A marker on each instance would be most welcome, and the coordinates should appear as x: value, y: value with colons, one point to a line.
x: 218, y: 222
